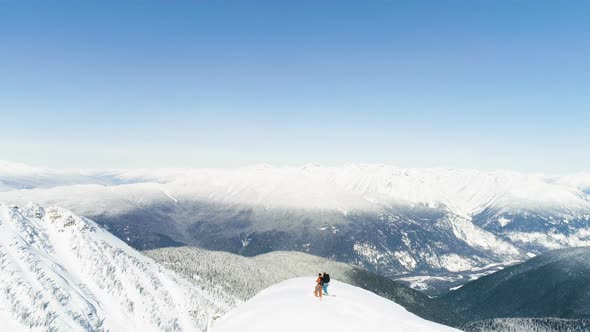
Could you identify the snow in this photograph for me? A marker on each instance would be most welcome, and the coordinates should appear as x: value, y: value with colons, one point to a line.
x: 405, y: 260
x: 455, y: 288
x: 423, y: 283
x: 290, y: 306
x: 369, y: 252
x: 62, y: 272
x: 503, y: 221
x: 171, y: 197
x: 476, y: 237
x: 9, y: 324
x: 456, y: 263
x: 552, y: 240
x: 427, y: 283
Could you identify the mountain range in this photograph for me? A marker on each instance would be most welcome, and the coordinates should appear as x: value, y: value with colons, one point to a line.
x: 433, y: 229
x: 63, y: 272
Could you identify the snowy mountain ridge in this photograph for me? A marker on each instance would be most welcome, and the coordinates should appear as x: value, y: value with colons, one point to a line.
x: 61, y: 272
x: 463, y: 191
x: 291, y: 307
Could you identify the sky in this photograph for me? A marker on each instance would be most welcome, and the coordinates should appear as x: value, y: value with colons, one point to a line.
x: 469, y: 84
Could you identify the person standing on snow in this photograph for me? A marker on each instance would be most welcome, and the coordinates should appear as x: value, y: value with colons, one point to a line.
x: 318, y: 286
x: 325, y: 282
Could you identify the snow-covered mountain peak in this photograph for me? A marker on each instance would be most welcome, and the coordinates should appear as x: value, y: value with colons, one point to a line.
x: 33, y: 210
x: 290, y: 306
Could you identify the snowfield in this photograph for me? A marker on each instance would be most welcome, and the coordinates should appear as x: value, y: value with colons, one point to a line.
x: 291, y: 306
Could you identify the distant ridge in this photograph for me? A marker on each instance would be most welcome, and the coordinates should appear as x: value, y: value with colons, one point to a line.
x: 555, y: 284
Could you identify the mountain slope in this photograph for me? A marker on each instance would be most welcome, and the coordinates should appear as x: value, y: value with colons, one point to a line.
x: 291, y: 306
x: 243, y: 277
x: 61, y: 272
x: 555, y: 284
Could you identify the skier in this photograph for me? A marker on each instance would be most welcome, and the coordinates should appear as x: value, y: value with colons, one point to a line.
x: 318, y: 286
x: 325, y: 282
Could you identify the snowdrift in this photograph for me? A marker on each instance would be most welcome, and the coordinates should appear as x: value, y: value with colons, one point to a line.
x: 291, y: 306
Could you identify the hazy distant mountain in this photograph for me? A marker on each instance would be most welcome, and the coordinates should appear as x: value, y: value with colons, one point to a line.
x: 431, y: 227
x: 555, y: 284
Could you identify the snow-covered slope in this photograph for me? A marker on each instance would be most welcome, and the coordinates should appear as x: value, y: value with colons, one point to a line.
x: 291, y: 306
x: 61, y: 272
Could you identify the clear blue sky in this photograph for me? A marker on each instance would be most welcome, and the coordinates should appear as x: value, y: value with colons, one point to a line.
x: 482, y: 84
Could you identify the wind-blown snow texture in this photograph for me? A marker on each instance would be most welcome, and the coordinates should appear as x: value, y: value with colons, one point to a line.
x: 428, y: 227
x: 61, y: 272
x: 291, y: 306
